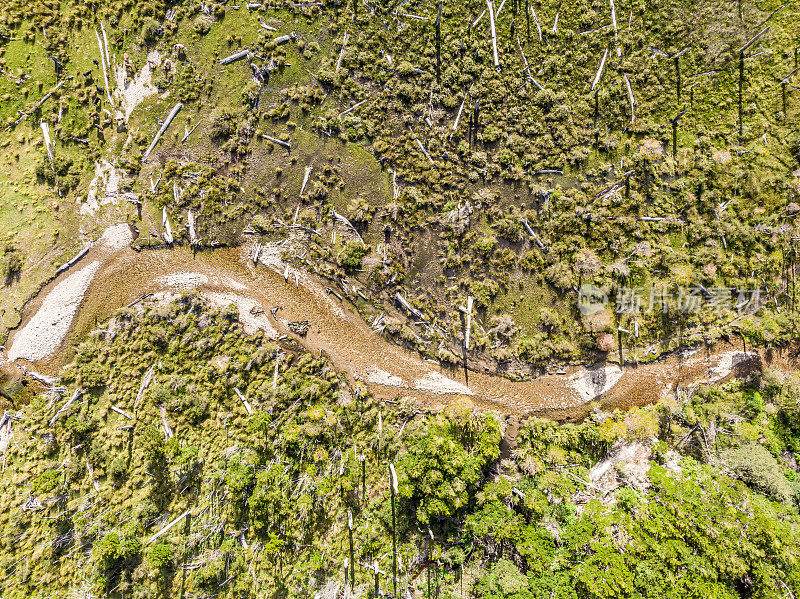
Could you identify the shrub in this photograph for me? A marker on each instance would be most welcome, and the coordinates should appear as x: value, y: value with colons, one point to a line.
x: 759, y: 469
x: 443, y: 465
x: 352, y: 255
x: 503, y: 580
x: 159, y: 559
x: 45, y: 482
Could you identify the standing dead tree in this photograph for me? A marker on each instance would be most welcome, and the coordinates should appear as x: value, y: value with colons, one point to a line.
x: 742, y: 50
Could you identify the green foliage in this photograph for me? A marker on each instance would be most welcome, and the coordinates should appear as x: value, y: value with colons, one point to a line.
x: 758, y: 468
x: 444, y: 462
x: 115, y: 553
x: 503, y: 581
x: 160, y: 557
x: 45, y: 483
x: 352, y: 255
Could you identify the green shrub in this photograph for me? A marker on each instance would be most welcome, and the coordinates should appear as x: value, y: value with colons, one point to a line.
x: 758, y: 468
x: 503, y: 581
x: 352, y: 255
x: 160, y: 557
x: 46, y: 482
x: 444, y: 462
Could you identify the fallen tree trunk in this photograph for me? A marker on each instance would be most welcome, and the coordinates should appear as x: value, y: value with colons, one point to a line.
x: 630, y: 97
x: 494, y: 34
x: 341, y: 52
x: 305, y: 181
x: 163, y: 130
x: 276, y: 141
x: 146, y: 380
x: 246, y: 403
x: 167, y: 229
x: 170, y: 525
x: 76, y: 395
x: 103, y: 63
x: 192, y: 233
x: 80, y: 255
x: 122, y: 412
x: 234, y: 57
x: 346, y: 222
x: 47, y: 143
x: 600, y: 70
x: 409, y: 308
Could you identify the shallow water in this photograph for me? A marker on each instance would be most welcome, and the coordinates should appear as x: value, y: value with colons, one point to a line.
x: 338, y: 330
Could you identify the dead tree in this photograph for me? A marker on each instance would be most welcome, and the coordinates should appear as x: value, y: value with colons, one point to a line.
x: 438, y: 25
x: 742, y: 50
x: 674, y: 122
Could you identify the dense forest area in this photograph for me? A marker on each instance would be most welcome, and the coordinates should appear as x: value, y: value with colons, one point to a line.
x: 196, y: 461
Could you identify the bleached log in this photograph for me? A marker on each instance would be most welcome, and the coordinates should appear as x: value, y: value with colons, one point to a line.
x: 354, y: 106
x: 246, y: 403
x: 470, y: 300
x: 555, y: 23
x: 532, y: 233
x: 188, y: 132
x: 630, y: 97
x: 341, y: 52
x: 90, y: 470
x: 192, y: 233
x: 347, y: 223
x: 282, y: 39
x: 165, y: 424
x: 257, y: 253
x: 538, y: 24
x: 409, y: 16
x: 65, y: 407
x: 499, y: 10
x: 146, y: 380
x: 276, y: 141
x: 394, y: 479
x: 103, y: 63
x: 600, y: 70
x: 275, y: 374
x: 460, y: 110
x: 267, y: 27
x: 754, y: 39
x: 234, y: 57
x: 77, y: 257
x: 175, y: 110
x: 527, y: 67
x: 122, y: 412
x: 614, y: 22
x: 176, y: 192
x: 167, y: 228
x: 409, y: 308
x: 305, y: 179
x: 105, y: 44
x: 494, y: 33
x: 286, y: 273
x: 424, y: 151
x: 47, y: 143
x: 170, y: 525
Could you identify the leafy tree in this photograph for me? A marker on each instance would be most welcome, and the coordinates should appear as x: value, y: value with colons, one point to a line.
x: 444, y: 462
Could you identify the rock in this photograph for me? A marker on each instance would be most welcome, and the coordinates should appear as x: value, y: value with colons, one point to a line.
x: 605, y: 342
x: 651, y: 149
x: 721, y: 157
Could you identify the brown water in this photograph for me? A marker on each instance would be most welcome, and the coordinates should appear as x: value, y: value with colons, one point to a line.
x: 339, y: 331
